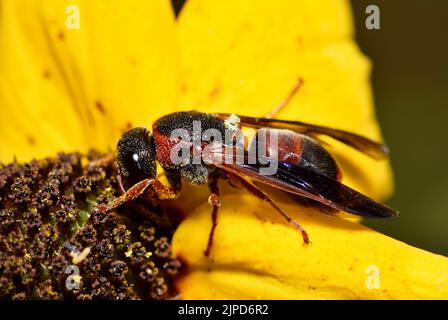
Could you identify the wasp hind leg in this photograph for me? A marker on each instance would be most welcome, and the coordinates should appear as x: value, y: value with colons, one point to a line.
x: 252, y: 188
x: 274, y: 111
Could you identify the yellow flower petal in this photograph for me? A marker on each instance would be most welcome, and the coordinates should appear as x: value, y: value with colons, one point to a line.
x: 259, y: 256
x: 67, y: 89
x: 37, y: 115
x: 245, y: 57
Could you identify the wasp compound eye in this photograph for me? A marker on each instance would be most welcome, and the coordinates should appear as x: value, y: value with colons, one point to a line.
x: 136, y: 156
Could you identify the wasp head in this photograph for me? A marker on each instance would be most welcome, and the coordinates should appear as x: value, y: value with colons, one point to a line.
x: 136, y: 156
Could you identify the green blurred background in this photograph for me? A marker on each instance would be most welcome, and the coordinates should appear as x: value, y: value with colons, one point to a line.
x: 410, y: 83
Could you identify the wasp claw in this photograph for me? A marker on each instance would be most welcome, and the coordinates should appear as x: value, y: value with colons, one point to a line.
x: 306, y: 239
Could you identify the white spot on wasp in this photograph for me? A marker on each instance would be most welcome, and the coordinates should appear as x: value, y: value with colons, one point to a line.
x: 232, y: 122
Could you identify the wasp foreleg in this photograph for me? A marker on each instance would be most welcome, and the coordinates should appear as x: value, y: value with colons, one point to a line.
x: 132, y: 193
x: 160, y: 190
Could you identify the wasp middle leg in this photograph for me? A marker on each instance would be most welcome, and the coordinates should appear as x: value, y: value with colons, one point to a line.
x: 215, y: 202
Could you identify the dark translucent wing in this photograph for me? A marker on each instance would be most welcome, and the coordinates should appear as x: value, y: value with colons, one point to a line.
x: 315, y: 186
x: 307, y: 202
x: 371, y: 148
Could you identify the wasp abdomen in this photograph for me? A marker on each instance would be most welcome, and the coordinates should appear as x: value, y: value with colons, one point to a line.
x: 294, y: 148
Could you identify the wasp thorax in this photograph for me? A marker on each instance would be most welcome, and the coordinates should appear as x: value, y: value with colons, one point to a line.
x: 136, y: 156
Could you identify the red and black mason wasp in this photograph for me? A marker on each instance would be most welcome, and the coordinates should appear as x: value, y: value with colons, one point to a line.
x: 303, y: 167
